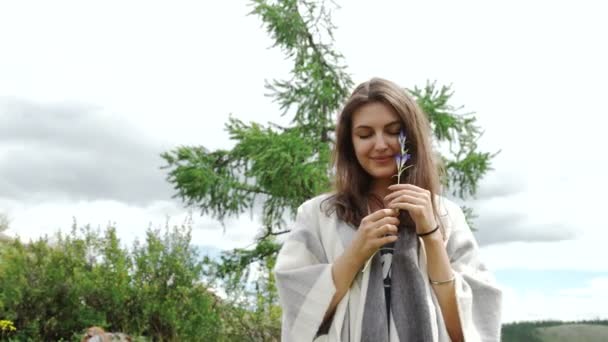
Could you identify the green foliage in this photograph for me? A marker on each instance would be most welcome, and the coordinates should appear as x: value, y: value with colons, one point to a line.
x: 464, y: 164
x: 41, y: 290
x: 319, y: 82
x: 220, y: 182
x: 168, y: 292
x: 252, y: 313
x: 54, y: 289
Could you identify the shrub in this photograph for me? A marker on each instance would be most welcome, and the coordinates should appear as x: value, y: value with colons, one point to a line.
x: 53, y: 289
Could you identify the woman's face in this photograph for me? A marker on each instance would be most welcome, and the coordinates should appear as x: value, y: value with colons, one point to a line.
x: 375, y: 135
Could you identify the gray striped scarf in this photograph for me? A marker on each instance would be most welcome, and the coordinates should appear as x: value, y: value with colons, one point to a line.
x: 408, y: 303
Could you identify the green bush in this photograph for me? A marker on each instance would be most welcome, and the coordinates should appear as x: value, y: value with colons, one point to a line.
x: 54, y: 288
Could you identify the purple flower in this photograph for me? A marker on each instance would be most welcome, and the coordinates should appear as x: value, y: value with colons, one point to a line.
x: 402, y: 139
x: 402, y: 158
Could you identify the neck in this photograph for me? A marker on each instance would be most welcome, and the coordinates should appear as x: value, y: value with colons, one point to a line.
x: 380, y: 187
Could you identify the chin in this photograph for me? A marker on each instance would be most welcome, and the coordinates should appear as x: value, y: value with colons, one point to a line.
x: 381, y: 174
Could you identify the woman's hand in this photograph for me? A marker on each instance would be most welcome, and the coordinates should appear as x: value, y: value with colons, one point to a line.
x: 375, y: 230
x: 416, y: 201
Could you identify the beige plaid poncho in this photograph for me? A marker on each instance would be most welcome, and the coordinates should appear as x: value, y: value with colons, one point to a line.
x: 305, y: 284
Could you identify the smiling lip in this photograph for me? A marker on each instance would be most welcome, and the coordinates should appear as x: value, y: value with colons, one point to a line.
x: 382, y: 160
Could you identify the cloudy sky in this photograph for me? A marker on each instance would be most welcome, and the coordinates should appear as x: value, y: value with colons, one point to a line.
x: 90, y: 95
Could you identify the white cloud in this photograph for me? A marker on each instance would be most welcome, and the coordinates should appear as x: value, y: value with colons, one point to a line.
x: 165, y: 68
x: 32, y: 220
x: 585, y: 254
x: 568, y: 304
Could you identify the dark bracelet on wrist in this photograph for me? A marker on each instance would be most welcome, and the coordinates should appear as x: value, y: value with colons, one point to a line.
x: 429, y: 233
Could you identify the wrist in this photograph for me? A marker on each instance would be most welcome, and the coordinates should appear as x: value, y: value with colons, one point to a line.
x: 436, y: 238
x: 429, y: 232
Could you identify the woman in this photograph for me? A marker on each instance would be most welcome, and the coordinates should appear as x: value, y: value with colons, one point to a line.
x: 381, y: 260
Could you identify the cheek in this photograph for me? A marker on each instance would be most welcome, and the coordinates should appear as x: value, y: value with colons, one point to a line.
x: 393, y: 141
x: 362, y: 148
x: 395, y: 146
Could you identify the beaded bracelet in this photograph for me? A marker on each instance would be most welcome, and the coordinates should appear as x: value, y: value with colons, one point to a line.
x: 429, y: 233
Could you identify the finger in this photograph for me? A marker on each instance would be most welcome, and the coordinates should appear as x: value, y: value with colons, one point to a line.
x: 398, y: 193
x: 407, y: 187
x: 386, y: 220
x: 387, y: 239
x: 409, y: 199
x: 384, y: 230
x: 407, y: 206
x: 379, y: 214
x: 378, y: 232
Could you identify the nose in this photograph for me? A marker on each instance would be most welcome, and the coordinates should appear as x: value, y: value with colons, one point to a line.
x: 381, y: 143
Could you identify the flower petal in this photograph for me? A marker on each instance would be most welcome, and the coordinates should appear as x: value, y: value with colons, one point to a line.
x: 398, y: 160
x: 402, y: 139
x: 407, y: 157
x: 403, y: 160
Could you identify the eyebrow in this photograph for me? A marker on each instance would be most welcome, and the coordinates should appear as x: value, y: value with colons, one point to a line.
x: 387, y: 125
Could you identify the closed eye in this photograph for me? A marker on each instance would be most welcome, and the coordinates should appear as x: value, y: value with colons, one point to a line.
x: 370, y: 135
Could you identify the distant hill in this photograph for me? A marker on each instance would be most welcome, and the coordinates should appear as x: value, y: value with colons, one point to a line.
x: 575, y: 332
x: 556, y: 331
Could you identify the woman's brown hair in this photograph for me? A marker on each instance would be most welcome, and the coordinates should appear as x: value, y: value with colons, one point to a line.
x: 352, y: 183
